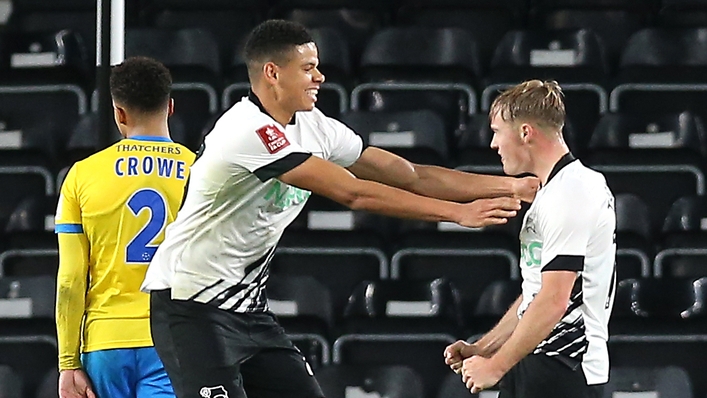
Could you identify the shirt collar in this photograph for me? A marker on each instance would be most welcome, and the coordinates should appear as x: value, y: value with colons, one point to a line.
x: 564, y: 161
x: 149, y: 138
x: 254, y: 99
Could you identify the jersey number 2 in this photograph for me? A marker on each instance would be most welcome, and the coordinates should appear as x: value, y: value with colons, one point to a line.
x: 139, y: 249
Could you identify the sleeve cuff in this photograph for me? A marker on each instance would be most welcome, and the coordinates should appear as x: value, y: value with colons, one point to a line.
x: 281, y: 166
x: 565, y: 263
x: 68, y: 229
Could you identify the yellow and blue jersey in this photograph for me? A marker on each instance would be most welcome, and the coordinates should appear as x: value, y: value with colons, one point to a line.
x: 111, y: 217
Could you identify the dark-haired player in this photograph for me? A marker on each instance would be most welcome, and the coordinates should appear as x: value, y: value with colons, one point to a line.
x: 111, y: 216
x: 210, y: 319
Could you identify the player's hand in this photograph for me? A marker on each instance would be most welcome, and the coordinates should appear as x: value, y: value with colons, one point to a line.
x: 483, y: 212
x: 74, y: 383
x: 457, y: 352
x: 525, y: 188
x: 479, y: 373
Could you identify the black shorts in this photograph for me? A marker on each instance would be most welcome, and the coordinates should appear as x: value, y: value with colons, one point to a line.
x: 212, y: 353
x: 539, y: 376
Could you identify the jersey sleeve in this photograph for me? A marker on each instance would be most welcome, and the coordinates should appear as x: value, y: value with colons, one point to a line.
x: 346, y: 145
x: 72, y: 274
x: 68, y: 212
x: 265, y: 151
x: 565, y: 226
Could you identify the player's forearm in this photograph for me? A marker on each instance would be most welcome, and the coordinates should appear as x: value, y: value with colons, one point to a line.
x: 389, y: 201
x: 71, y: 298
x: 458, y: 186
x: 536, y: 324
x: 492, y: 341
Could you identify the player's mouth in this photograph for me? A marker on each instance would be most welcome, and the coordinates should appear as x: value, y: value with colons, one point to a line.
x: 312, y: 93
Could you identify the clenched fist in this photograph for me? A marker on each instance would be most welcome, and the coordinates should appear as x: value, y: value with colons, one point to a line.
x: 525, y: 188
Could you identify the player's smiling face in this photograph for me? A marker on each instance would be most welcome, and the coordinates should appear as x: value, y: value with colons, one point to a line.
x: 301, y: 79
x: 509, y: 143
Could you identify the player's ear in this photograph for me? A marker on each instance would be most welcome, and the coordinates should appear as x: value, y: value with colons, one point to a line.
x: 121, y: 117
x: 170, y: 110
x: 270, y: 72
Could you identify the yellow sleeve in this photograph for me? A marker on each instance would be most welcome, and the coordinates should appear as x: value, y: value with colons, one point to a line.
x: 72, y: 276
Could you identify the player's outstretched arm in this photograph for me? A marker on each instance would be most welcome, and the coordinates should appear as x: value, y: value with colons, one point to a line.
x: 330, y: 180
x: 488, y: 344
x: 376, y: 164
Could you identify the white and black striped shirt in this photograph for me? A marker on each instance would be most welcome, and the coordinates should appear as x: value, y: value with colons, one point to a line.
x: 235, y: 209
x: 570, y: 227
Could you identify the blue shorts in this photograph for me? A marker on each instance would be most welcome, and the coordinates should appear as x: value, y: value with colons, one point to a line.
x: 127, y: 373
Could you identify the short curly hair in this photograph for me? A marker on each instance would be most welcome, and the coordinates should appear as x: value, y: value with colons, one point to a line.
x: 273, y: 40
x: 141, y: 84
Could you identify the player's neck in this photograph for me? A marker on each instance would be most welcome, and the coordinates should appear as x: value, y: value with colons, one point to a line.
x: 547, y: 159
x: 154, y: 128
x: 274, y: 108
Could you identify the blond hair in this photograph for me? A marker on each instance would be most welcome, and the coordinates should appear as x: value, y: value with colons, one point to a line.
x: 533, y: 101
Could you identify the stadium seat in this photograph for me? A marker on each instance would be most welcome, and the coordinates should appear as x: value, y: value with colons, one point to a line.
x: 404, y: 306
x: 346, y: 381
x: 418, y: 136
x: 25, y: 133
x: 27, y: 297
x: 10, y: 383
x: 670, y: 381
x: 416, y: 68
x: 21, y: 183
x: 301, y: 303
x: 574, y: 58
x: 660, y: 306
x: 338, y: 259
x: 662, y: 70
x: 357, y: 20
x: 486, y: 20
x: 634, y: 248
x: 637, y: 154
x: 612, y: 21
x: 46, y: 58
x: 229, y: 22
x: 29, y: 262
x: 494, y: 302
x: 193, y: 60
x: 682, y: 13
x: 682, y: 252
x: 30, y: 356
x: 422, y: 353
x: 31, y: 16
x: 473, y: 260
x: 49, y: 386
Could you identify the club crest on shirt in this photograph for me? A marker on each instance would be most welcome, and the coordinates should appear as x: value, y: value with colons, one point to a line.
x: 273, y: 139
x: 213, y: 392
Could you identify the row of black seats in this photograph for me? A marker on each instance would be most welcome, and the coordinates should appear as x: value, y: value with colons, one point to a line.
x: 419, y: 135
x: 379, y: 247
x: 398, y: 380
x: 358, y: 20
x: 570, y: 55
x: 402, y: 326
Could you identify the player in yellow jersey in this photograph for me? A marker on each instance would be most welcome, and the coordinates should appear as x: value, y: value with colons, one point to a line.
x: 111, y: 216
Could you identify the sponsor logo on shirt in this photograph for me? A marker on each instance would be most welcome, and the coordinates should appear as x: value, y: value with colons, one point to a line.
x: 273, y: 139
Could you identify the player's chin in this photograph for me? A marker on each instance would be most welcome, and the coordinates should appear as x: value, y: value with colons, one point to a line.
x: 308, y: 105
